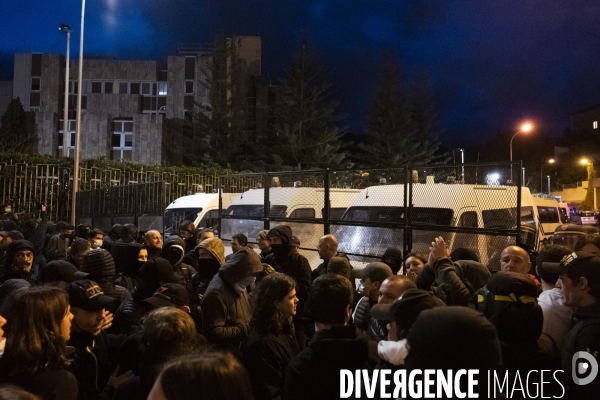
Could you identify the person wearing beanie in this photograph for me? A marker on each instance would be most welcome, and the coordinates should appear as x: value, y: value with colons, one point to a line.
x: 111, y: 237
x: 100, y: 266
x: 226, y: 310
x: 287, y: 260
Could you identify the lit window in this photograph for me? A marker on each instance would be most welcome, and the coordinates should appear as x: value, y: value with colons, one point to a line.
x: 162, y: 88
x: 595, y: 124
x: 122, y: 140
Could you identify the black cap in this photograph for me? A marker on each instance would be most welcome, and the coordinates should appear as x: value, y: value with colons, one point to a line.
x: 169, y: 295
x: 407, y: 308
x: 587, y: 264
x: 60, y: 271
x: 88, y: 296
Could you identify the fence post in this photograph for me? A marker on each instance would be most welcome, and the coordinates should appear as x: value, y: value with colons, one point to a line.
x: 327, y: 205
x: 267, y: 205
x: 407, y: 231
x: 520, y: 184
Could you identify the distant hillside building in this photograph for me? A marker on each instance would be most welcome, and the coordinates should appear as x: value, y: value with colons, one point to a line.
x: 131, y: 110
x: 587, y: 119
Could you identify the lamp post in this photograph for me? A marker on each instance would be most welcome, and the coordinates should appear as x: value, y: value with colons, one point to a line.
x: 67, y: 29
x: 548, y: 176
x: 550, y: 161
x: 523, y: 181
x: 524, y: 128
x: 78, y: 131
x: 462, y: 160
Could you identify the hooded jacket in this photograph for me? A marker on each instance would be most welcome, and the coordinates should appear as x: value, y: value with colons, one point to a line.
x: 183, y: 272
x: 315, y: 371
x: 15, y: 246
x: 294, y: 265
x: 205, y: 274
x: 101, y: 268
x: 226, y: 313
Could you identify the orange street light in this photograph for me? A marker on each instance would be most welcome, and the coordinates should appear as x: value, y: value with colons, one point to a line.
x: 524, y: 128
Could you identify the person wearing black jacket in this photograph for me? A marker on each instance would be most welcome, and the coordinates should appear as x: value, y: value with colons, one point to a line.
x: 90, y: 346
x: 287, y: 260
x: 36, y: 234
x: 272, y: 342
x: 314, y: 372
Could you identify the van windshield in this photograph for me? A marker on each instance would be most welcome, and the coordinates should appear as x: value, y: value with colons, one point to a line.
x: 254, y: 210
x: 175, y: 216
x: 420, y: 215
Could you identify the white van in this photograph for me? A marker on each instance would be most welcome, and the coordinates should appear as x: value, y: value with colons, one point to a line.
x: 439, y: 206
x: 201, y: 208
x: 286, y: 202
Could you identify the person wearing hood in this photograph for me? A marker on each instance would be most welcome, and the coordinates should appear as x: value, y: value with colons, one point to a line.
x: 286, y: 260
x: 210, y: 254
x: 393, y: 258
x: 20, y: 256
x: 454, y: 282
x: 113, y: 236
x: 133, y: 259
x: 154, y: 273
x: 36, y: 233
x: 313, y: 373
x: 120, y: 249
x: 225, y: 308
x: 100, y: 266
x: 454, y: 338
x: 173, y: 251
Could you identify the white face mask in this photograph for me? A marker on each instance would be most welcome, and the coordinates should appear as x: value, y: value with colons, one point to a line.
x: 97, y: 243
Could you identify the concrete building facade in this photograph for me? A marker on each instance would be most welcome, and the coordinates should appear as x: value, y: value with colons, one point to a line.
x: 131, y: 110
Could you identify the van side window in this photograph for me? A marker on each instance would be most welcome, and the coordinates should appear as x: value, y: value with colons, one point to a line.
x: 468, y: 219
x: 548, y: 214
x: 210, y: 219
x: 303, y: 213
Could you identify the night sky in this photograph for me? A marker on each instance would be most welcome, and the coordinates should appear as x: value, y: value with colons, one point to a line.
x: 491, y: 63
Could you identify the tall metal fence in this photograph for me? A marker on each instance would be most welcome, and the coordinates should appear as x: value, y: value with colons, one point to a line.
x: 28, y: 186
x: 473, y: 206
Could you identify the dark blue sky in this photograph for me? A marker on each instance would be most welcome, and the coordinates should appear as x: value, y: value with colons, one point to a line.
x: 490, y: 63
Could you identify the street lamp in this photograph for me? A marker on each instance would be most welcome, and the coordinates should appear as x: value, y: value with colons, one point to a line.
x: 523, y: 181
x: 524, y: 128
x: 78, y: 131
x: 67, y: 29
x: 548, y: 185
x: 462, y: 160
x: 550, y: 161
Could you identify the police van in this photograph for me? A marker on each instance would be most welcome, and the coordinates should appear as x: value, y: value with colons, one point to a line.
x: 200, y: 208
x: 290, y: 203
x: 442, y: 205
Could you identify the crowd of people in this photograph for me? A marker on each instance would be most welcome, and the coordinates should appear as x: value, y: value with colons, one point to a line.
x: 87, y: 314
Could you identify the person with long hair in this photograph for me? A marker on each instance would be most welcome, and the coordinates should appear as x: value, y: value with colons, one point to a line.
x: 272, y: 341
x: 35, y: 357
x: 215, y: 375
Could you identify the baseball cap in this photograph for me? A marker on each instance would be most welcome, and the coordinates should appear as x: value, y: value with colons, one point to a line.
x: 585, y: 263
x: 88, y: 295
x: 376, y: 271
x: 60, y: 270
x: 407, y: 308
x: 169, y: 295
